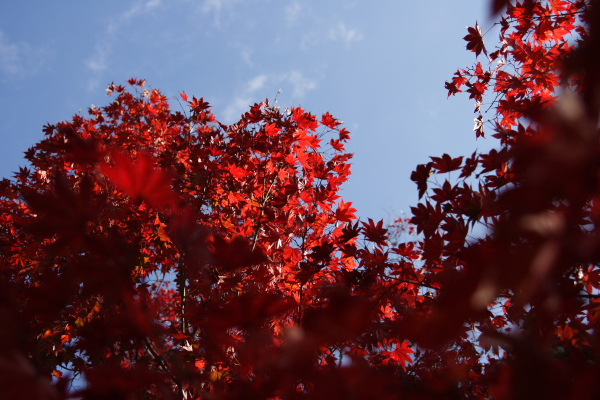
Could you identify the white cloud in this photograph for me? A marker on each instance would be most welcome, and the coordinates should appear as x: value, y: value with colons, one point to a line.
x: 139, y: 8
x: 292, y: 12
x: 99, y: 61
x: 257, y: 83
x: 10, y: 58
x: 20, y: 59
x: 216, y: 6
x: 341, y: 32
x: 251, y: 93
x: 237, y: 108
x: 245, y: 98
x: 210, y: 5
x: 300, y: 84
x: 349, y: 5
x: 247, y: 56
x: 153, y: 3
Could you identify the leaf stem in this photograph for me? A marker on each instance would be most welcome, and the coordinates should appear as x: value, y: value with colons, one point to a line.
x: 162, y: 365
x: 182, y: 283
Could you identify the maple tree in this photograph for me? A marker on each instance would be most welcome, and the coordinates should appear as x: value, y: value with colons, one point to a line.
x: 152, y: 253
x: 514, y: 236
x: 157, y: 253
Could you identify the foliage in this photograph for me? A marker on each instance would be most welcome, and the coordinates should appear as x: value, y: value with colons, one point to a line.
x: 152, y: 253
x: 515, y: 236
x: 164, y: 253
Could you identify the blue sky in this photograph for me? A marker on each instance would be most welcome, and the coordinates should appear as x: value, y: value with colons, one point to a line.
x: 380, y: 66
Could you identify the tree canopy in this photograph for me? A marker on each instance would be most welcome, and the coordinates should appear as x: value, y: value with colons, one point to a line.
x: 150, y: 251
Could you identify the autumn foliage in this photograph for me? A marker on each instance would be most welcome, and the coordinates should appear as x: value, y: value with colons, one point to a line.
x: 150, y: 251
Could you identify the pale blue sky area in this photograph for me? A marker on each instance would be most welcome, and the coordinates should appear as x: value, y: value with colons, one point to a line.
x: 380, y: 66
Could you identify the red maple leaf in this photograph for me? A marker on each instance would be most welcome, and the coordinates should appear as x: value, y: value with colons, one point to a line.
x: 402, y: 354
x: 475, y: 40
x: 141, y: 180
x: 420, y: 177
x: 305, y: 120
x: 445, y: 163
x: 345, y: 212
x: 375, y: 233
x: 329, y: 121
x: 235, y: 253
